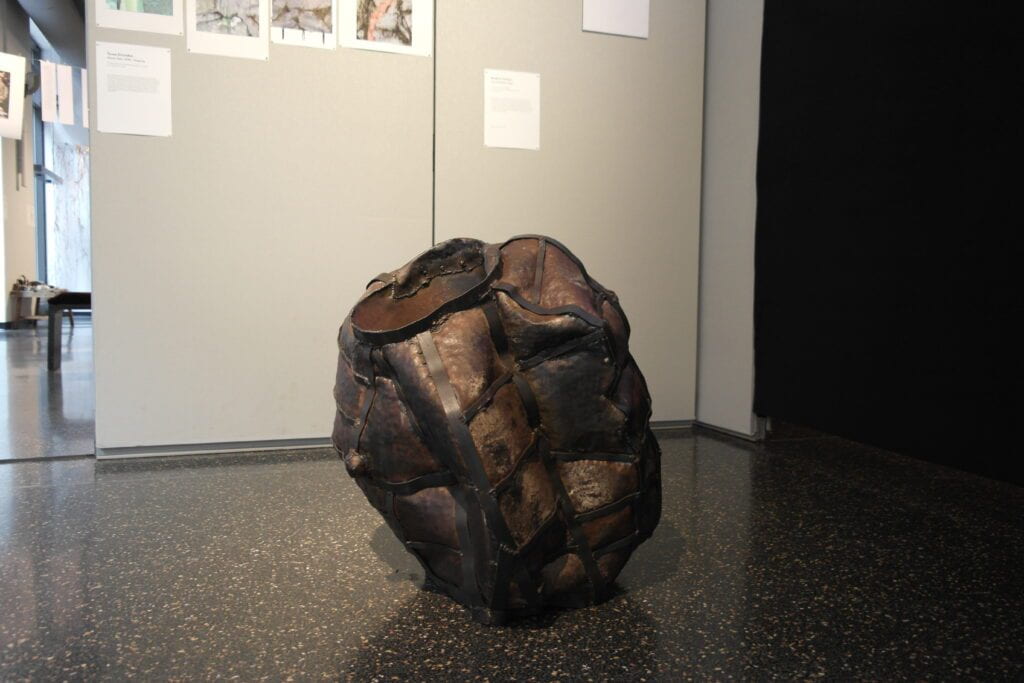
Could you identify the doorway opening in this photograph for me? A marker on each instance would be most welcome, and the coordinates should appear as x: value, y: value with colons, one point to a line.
x: 46, y: 407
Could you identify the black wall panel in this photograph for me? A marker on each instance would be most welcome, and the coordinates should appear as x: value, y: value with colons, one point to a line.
x: 890, y: 204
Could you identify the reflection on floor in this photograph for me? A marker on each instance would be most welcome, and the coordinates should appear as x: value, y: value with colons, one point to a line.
x: 801, y: 558
x: 46, y: 414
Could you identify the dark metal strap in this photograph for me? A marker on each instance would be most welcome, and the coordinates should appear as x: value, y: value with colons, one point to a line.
x: 561, y: 349
x: 575, y: 530
x: 564, y: 504
x: 477, y: 477
x: 529, y: 400
x: 497, y: 329
x: 571, y: 256
x: 528, y: 588
x: 368, y: 398
x: 426, y: 545
x: 484, y: 399
x: 421, y: 433
x: 539, y: 532
x: 467, y: 551
x: 624, y: 542
x: 509, y: 476
x: 410, y: 486
x: 607, y: 509
x: 351, y: 421
x: 516, y: 296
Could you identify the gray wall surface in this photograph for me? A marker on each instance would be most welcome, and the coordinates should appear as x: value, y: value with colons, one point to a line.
x: 225, y: 257
x: 732, y: 88
x: 617, y: 176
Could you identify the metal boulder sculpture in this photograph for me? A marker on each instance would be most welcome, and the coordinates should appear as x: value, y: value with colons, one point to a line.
x: 490, y: 410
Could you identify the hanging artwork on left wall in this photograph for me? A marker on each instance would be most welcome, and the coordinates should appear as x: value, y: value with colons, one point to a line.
x: 229, y: 28
x: 12, y: 95
x: 155, y: 16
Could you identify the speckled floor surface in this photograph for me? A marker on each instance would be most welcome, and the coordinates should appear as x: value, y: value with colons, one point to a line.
x: 805, y: 558
x: 46, y: 414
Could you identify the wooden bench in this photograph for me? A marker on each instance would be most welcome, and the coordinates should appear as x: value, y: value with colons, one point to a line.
x: 65, y: 301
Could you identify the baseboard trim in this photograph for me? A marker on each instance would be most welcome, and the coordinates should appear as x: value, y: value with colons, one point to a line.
x: 661, y: 427
x: 215, y: 448
x: 672, y: 427
x: 756, y: 436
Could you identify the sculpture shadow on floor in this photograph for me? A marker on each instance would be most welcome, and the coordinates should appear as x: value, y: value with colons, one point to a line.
x: 431, y: 637
x: 655, y: 562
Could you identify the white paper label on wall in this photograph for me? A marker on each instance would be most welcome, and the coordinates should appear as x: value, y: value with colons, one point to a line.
x: 155, y: 16
x: 618, y: 17
x: 229, y: 28
x: 133, y: 89
x: 511, y: 109
x: 48, y: 91
x: 65, y: 95
x: 84, y: 73
x: 12, y: 95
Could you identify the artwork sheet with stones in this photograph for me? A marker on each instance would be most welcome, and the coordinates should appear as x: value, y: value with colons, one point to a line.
x: 306, y: 23
x: 153, y: 16
x: 303, y: 15
x: 228, y: 28
x: 231, y: 17
x: 489, y: 409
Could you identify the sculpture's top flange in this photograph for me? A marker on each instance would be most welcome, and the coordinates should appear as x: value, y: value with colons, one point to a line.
x: 447, y: 278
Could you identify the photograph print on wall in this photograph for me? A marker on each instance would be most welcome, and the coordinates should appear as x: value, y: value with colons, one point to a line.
x: 229, y: 28
x: 309, y: 23
x: 12, y: 95
x: 155, y: 16
x: 5, y: 93
x: 401, y: 26
x: 385, y: 21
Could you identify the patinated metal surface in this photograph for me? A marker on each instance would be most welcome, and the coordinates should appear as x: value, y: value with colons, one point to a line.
x: 490, y: 410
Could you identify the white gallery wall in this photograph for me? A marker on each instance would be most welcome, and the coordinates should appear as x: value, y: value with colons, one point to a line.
x: 617, y: 175
x: 733, y: 81
x: 225, y: 256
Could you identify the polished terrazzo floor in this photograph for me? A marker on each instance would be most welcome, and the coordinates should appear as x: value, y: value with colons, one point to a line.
x: 805, y: 558
x: 42, y: 413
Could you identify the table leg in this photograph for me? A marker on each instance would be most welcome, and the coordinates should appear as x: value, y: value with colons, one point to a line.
x: 53, y: 334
